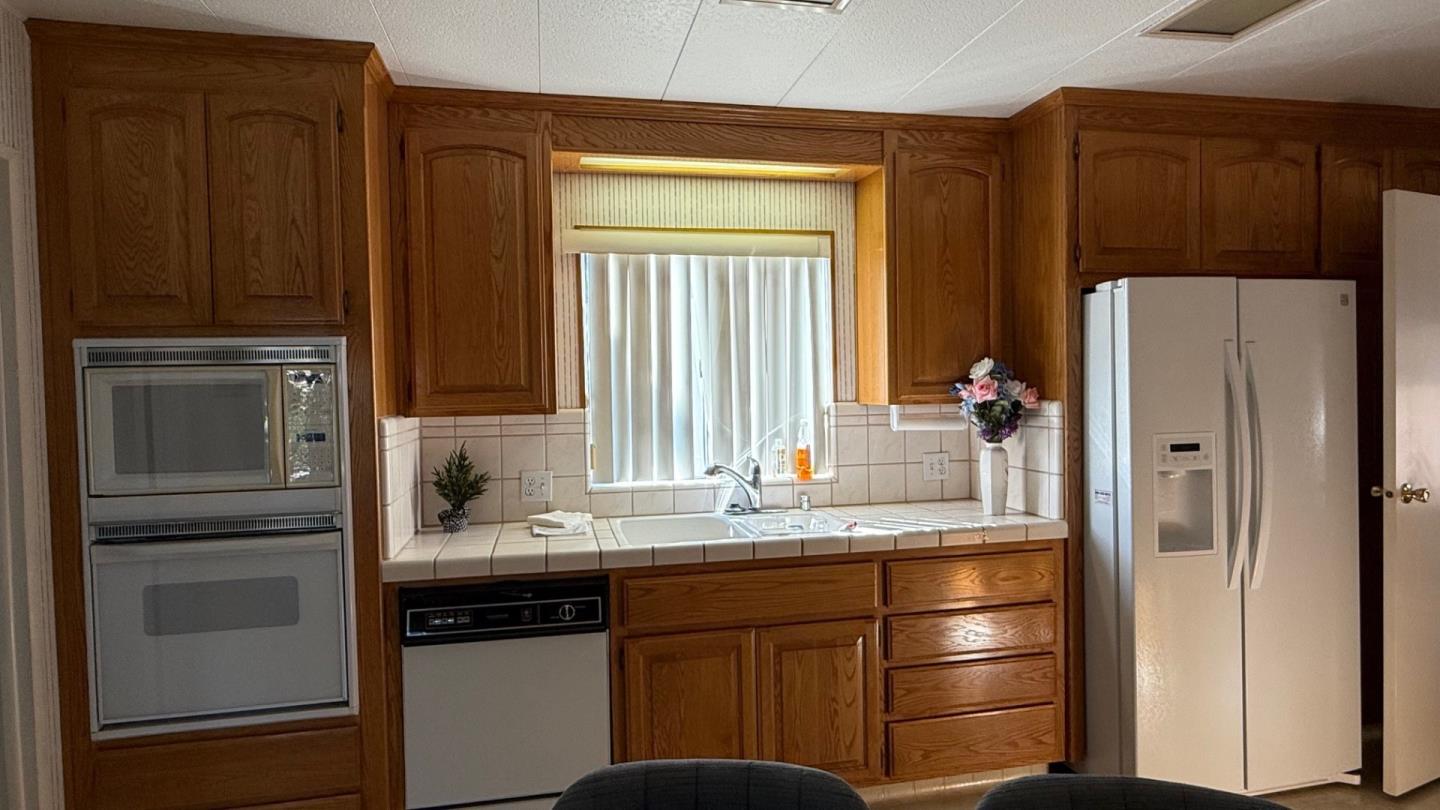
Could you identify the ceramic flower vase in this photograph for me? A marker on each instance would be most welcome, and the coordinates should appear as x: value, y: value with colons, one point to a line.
x: 994, y: 478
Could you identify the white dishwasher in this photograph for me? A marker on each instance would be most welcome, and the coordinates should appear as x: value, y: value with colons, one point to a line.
x: 506, y: 691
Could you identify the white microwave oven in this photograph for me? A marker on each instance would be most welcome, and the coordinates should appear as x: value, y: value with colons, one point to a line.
x: 161, y: 418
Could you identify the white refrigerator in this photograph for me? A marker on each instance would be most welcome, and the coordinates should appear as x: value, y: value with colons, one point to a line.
x: 1222, y: 604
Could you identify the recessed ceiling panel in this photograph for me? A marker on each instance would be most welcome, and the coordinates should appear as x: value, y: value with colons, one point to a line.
x: 611, y: 47
x: 1224, y: 18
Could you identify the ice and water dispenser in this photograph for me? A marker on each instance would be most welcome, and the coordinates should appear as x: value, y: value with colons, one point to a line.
x: 1185, y: 493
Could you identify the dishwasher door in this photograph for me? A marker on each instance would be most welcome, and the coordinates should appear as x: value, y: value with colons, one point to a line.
x: 512, y: 720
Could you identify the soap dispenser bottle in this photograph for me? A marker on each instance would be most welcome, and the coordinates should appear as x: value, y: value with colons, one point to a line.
x: 804, y: 469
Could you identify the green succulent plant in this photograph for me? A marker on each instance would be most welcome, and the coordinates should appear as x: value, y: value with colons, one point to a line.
x: 456, y: 481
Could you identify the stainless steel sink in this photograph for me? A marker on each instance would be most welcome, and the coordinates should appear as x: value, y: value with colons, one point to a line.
x: 663, y: 529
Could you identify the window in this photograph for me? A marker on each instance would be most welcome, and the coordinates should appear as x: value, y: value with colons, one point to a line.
x: 693, y: 359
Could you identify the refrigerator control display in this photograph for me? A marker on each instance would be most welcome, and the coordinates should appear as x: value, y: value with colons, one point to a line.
x: 1185, y: 494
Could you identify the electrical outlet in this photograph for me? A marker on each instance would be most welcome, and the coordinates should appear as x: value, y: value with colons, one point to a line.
x: 535, y: 485
x: 936, y: 466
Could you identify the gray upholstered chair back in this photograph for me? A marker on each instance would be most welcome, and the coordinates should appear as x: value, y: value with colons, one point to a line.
x: 709, y: 784
x: 1071, y: 792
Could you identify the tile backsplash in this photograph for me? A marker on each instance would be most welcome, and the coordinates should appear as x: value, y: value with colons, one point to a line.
x: 873, y: 464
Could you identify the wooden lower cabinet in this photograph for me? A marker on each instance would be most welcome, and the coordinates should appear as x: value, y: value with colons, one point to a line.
x: 888, y: 669
x: 348, y: 802
x: 820, y: 696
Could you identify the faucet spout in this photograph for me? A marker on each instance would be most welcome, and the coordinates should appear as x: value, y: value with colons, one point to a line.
x: 750, y: 486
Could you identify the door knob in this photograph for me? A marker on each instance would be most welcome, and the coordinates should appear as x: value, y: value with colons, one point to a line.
x: 1409, y: 493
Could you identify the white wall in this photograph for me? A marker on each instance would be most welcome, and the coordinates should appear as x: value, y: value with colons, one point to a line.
x: 29, y: 721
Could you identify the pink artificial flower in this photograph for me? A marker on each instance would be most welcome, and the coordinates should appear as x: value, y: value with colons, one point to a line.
x: 986, y: 389
x: 967, y: 392
x: 1030, y: 398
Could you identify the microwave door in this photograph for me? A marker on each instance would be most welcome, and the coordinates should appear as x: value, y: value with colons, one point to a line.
x: 188, y: 629
x: 184, y: 429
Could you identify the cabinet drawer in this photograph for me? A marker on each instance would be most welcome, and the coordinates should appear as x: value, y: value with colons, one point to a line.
x: 951, y: 688
x: 998, y: 579
x: 741, y: 598
x: 975, y: 742
x: 974, y: 632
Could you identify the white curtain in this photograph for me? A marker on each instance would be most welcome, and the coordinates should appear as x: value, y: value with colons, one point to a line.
x: 698, y: 359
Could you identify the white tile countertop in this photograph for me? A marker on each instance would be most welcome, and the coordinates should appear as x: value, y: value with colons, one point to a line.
x: 505, y: 549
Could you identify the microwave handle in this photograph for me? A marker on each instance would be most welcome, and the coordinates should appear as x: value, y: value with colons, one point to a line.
x: 190, y: 549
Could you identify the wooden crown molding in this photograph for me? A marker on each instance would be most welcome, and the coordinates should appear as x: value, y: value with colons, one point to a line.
x: 1196, y: 102
x: 91, y: 35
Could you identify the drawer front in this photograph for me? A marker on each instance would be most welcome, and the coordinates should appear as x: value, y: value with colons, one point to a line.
x: 952, y: 688
x: 974, y: 632
x: 975, y: 742
x: 988, y: 580
x: 741, y: 598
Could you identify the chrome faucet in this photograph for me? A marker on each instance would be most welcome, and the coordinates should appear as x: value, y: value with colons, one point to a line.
x: 751, y: 487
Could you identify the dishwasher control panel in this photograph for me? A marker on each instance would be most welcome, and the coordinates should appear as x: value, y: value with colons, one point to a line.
x: 503, y: 610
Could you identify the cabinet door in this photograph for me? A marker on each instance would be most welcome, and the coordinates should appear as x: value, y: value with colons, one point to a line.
x: 820, y: 697
x: 691, y: 695
x: 1351, y: 179
x: 1139, y: 202
x: 481, y: 292
x: 1260, y: 206
x: 139, y: 224
x: 947, y: 220
x: 274, y: 187
x: 1417, y: 170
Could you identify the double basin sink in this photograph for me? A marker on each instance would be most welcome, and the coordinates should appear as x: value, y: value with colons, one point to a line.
x: 665, y: 529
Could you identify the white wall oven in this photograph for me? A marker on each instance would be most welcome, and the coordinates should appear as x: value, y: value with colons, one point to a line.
x: 217, y: 542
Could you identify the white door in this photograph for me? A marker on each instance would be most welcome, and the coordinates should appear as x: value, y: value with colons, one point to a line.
x: 1302, y: 572
x: 1412, y: 458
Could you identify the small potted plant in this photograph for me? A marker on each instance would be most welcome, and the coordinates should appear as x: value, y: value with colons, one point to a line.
x: 457, y: 483
x: 994, y: 401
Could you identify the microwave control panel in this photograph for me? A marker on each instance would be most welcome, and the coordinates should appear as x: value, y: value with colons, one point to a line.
x: 311, y: 427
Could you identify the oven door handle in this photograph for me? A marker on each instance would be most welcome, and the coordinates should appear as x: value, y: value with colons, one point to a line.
x: 189, y: 549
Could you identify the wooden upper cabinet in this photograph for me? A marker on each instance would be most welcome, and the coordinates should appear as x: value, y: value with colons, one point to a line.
x: 1351, y: 181
x: 946, y: 248
x: 820, y: 697
x: 1417, y: 170
x: 691, y: 695
x: 138, y: 214
x: 275, y: 183
x: 1260, y: 206
x: 1139, y: 202
x: 481, y: 287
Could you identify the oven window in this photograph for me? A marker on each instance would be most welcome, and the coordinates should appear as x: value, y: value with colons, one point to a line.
x: 187, y: 428
x: 228, y: 604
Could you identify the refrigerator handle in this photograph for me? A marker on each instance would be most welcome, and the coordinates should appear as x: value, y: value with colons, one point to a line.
x: 1237, y: 426
x: 1259, y: 536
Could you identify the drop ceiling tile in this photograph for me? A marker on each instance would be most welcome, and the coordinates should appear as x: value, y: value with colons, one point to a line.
x: 488, y: 44
x: 187, y: 14
x: 1027, y: 46
x: 611, y: 47
x: 885, y: 47
x: 320, y: 19
x: 1398, y: 69
x: 748, y: 54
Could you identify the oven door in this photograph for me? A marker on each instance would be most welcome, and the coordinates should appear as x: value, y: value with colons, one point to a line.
x: 186, y: 629
x: 184, y: 429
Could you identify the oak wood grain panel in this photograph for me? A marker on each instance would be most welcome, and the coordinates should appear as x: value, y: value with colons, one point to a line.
x: 947, y: 244
x: 1139, y: 202
x: 691, y: 695
x: 974, y: 742
x: 763, y: 596
x: 138, y: 207
x: 274, y: 184
x: 637, y: 136
x: 1352, y: 179
x: 1417, y: 169
x: 820, y: 697
x: 348, y: 802
x: 481, y: 286
x: 972, y: 633
x: 1261, y: 206
x: 957, y: 141
x: 90, y: 36
x: 1041, y: 248
x: 954, y: 688
x: 975, y: 580
x: 229, y: 772
x: 872, y: 273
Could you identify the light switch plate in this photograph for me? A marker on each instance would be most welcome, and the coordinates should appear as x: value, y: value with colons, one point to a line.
x: 535, y: 486
x: 935, y: 466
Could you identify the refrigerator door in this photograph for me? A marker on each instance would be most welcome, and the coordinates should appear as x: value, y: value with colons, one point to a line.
x: 1302, y: 576
x: 1174, y: 339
